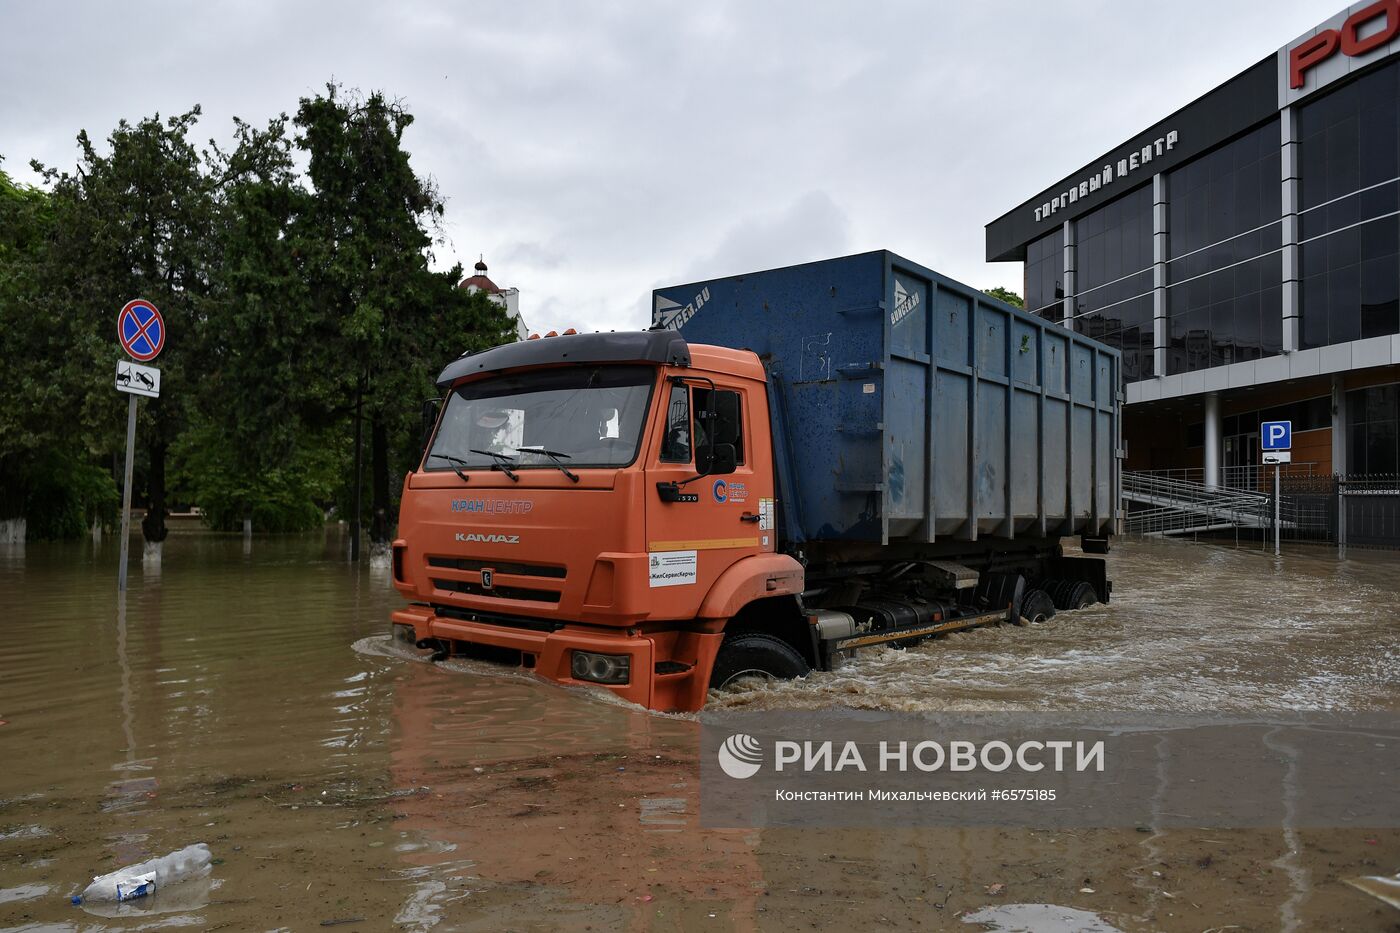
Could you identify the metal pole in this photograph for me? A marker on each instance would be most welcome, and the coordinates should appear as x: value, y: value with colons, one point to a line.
x: 1276, y: 528
x: 126, y: 492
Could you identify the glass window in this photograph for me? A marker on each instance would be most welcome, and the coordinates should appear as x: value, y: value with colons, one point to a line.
x: 1045, y: 276
x: 1349, y: 150
x: 675, y: 447
x: 1373, y: 429
x: 589, y: 416
x: 1113, y: 279
x: 1225, y: 271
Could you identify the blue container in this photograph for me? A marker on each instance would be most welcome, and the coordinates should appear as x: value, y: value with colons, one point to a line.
x: 910, y: 407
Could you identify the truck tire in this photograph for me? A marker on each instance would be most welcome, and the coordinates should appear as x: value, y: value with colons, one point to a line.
x: 1069, y: 595
x: 1037, y: 606
x: 756, y: 655
x: 1079, y: 595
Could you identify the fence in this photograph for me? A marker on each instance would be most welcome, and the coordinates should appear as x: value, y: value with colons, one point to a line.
x: 1345, y: 510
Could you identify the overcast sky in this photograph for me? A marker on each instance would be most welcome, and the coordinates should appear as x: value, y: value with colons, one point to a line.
x: 593, y: 151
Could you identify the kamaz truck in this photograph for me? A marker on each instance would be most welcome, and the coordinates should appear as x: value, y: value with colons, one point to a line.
x: 787, y: 467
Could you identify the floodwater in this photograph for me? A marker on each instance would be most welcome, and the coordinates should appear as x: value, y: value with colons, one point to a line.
x: 250, y: 700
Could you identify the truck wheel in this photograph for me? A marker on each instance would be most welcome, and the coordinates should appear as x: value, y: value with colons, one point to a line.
x: 755, y: 655
x: 1036, y: 606
x: 1080, y: 596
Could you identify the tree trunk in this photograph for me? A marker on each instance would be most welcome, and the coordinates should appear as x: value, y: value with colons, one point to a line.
x: 359, y: 470
x: 379, y: 481
x: 153, y: 525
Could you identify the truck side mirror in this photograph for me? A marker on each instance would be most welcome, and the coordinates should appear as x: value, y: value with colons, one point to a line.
x: 726, y: 420
x: 429, y: 419
x: 723, y: 460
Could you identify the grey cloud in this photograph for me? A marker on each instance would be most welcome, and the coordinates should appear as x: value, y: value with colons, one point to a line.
x: 592, y: 150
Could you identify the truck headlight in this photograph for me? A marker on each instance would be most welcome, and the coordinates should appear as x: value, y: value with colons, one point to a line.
x: 601, y: 668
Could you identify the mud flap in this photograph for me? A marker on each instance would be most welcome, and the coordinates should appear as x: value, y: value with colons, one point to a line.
x: 1092, y: 570
x: 1002, y: 590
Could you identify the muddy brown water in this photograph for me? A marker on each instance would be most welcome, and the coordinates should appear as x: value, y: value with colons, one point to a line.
x: 251, y: 701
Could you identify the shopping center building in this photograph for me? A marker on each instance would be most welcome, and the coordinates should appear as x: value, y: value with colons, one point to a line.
x: 1244, y: 254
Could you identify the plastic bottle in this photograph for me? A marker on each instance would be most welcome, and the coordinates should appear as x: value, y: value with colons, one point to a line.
x: 147, y: 877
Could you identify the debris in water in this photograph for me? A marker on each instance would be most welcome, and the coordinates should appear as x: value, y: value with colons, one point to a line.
x: 142, y: 879
x: 996, y: 888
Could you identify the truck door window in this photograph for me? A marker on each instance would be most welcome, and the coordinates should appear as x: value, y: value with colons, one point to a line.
x: 675, y: 448
x: 729, y: 423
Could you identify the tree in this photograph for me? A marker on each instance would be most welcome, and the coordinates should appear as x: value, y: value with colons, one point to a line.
x: 1006, y: 295
x: 47, y: 478
x: 134, y: 222
x: 247, y: 454
x: 380, y: 315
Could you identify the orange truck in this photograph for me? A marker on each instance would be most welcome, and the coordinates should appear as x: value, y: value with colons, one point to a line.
x: 787, y: 467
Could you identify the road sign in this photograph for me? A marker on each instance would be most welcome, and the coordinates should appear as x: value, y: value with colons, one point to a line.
x: 1272, y: 457
x: 1276, y: 435
x: 137, y: 379
x: 141, y: 330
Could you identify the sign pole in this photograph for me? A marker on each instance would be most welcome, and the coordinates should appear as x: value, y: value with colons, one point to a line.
x: 141, y: 332
x: 126, y: 492
x: 1277, y: 468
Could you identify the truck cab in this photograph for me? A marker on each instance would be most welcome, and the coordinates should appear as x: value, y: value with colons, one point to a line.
x: 594, y: 508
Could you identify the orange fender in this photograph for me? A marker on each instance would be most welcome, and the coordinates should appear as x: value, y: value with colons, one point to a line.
x: 755, y: 577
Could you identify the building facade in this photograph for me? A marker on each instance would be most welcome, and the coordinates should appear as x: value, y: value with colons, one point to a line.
x: 507, y: 298
x: 1244, y: 254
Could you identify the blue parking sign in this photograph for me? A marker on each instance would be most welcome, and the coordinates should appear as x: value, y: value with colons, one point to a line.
x: 1276, y: 435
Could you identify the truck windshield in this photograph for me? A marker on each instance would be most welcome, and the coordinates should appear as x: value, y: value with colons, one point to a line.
x: 592, y: 416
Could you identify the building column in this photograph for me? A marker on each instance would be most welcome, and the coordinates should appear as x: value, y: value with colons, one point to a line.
x: 1292, y: 273
x: 1213, y: 440
x: 1161, y: 333
x: 1070, y: 284
x: 1339, y: 426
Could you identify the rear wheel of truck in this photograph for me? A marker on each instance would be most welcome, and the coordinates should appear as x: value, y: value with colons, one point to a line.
x: 1037, y: 606
x: 1082, y: 596
x: 1073, y: 594
x: 758, y: 656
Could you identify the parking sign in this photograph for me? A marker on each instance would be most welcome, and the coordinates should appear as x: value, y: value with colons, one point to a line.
x: 1276, y: 435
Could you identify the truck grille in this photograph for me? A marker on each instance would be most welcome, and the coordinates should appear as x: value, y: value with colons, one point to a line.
x: 514, y: 568
x: 498, y: 592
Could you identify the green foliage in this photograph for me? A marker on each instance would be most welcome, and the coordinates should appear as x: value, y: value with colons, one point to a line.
x: 1006, y: 295
x: 287, y: 497
x: 65, y: 496
x: 288, y: 298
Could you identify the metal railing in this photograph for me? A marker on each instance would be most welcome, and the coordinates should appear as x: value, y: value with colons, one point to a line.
x: 1356, y: 510
x: 1176, y: 506
x: 1258, y: 477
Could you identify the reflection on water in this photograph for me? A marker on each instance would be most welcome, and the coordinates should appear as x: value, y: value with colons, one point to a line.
x: 246, y: 697
x: 1040, y: 918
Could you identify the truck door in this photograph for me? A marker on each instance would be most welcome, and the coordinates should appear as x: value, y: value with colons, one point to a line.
x: 718, y: 518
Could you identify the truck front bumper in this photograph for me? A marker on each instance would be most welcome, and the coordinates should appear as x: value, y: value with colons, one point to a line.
x: 668, y: 670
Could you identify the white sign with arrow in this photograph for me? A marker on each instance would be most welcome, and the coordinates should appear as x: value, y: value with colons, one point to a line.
x: 138, y: 379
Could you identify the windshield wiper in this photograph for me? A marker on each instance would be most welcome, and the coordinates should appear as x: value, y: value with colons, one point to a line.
x: 554, y: 455
x: 502, y: 462
x: 454, y: 461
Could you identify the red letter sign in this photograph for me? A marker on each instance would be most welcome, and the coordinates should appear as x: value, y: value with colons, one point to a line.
x: 1325, y: 44
x: 1310, y: 52
x: 1353, y: 46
